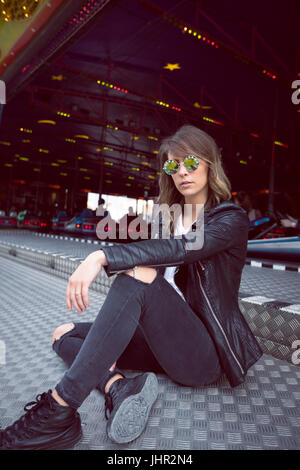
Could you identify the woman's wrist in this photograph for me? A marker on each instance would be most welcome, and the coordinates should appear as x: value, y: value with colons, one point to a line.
x: 103, y: 259
x: 99, y: 257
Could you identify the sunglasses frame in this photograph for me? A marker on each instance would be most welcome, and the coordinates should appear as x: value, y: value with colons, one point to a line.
x: 196, y: 159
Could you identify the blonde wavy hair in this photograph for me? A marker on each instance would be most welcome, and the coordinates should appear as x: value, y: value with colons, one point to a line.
x: 192, y: 140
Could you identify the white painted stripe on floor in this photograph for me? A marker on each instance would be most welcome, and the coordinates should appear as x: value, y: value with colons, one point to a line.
x: 280, y: 267
x: 52, y: 253
x: 257, y: 299
x: 57, y: 254
x: 294, y: 308
x: 272, y: 265
x: 257, y: 264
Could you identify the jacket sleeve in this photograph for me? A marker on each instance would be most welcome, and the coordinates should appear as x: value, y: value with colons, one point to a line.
x: 169, y: 252
x: 221, y: 233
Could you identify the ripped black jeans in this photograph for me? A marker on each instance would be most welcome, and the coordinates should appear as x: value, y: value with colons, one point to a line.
x: 141, y: 326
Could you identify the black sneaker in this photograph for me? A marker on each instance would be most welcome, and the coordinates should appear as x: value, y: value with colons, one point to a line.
x: 45, y: 425
x: 129, y: 402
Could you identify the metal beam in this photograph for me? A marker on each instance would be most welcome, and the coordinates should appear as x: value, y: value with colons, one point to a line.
x: 257, y: 35
x: 219, y: 28
x: 230, y: 50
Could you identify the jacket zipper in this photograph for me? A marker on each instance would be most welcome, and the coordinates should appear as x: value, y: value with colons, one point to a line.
x: 216, y: 319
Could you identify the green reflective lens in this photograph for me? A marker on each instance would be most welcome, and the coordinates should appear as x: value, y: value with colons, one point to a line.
x: 191, y: 162
x: 171, y: 167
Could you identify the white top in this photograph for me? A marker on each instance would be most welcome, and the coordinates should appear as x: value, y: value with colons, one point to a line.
x: 170, y: 271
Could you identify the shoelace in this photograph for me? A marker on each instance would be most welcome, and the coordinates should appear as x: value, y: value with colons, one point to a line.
x: 109, y: 399
x: 21, y: 426
x: 108, y: 404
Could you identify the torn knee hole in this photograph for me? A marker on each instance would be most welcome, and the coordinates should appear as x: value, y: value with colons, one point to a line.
x: 61, y: 331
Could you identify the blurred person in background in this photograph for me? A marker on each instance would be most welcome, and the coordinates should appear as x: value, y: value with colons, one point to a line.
x: 290, y: 222
x: 13, y: 212
x: 243, y: 199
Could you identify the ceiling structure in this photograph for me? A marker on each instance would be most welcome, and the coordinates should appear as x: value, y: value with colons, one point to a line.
x: 101, y: 82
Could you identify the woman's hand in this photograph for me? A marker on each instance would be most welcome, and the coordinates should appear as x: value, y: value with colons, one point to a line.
x: 80, y: 281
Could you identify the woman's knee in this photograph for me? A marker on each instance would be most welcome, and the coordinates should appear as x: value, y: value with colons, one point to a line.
x: 62, y: 330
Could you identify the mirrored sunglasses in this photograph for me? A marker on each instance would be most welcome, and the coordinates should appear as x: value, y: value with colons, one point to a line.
x: 190, y: 162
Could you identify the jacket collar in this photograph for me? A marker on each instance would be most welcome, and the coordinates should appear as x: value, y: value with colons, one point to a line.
x: 219, y: 208
x: 225, y: 206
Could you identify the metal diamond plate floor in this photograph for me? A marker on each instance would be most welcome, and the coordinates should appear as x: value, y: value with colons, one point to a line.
x: 262, y: 413
x: 283, y: 286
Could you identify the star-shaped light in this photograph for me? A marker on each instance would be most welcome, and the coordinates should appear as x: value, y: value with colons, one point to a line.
x: 172, y: 66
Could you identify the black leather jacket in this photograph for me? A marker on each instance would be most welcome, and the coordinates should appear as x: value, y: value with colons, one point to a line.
x: 208, y: 277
